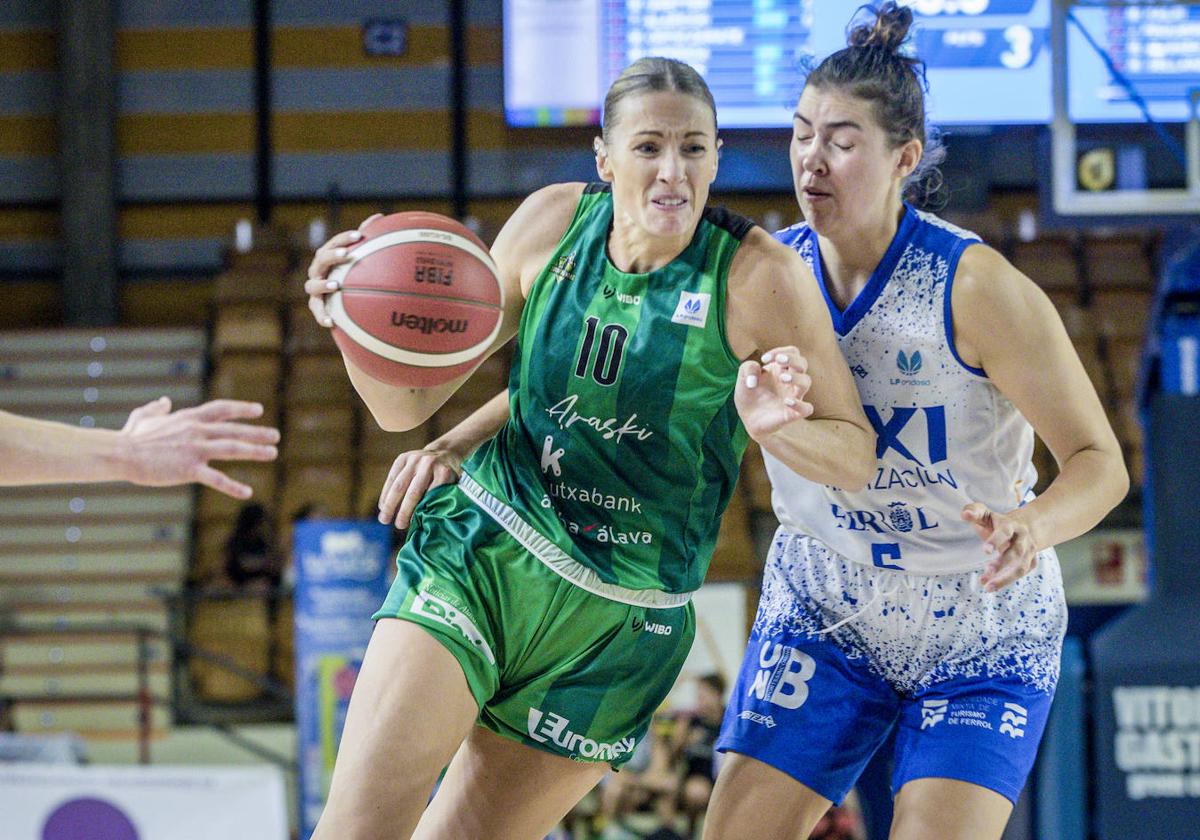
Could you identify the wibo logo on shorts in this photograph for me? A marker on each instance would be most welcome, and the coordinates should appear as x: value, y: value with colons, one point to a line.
x: 651, y: 627
x: 446, y: 613
x: 547, y: 727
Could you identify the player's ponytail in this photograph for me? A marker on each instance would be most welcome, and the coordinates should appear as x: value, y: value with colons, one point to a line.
x: 876, y: 68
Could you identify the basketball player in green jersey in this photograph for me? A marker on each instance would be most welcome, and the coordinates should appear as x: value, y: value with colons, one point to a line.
x: 541, y: 607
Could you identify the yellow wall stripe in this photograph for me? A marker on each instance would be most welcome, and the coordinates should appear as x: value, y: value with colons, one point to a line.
x: 292, y: 47
x: 356, y: 131
x: 29, y: 224
x: 342, y: 47
x: 180, y: 221
x: 184, y: 133
x: 28, y: 136
x: 28, y: 50
x: 185, y: 49
x: 183, y: 221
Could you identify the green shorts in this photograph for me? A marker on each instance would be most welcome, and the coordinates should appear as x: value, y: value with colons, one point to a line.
x: 550, y: 664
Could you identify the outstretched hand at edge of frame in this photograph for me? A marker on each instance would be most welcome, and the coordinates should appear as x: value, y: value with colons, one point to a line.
x: 164, y: 448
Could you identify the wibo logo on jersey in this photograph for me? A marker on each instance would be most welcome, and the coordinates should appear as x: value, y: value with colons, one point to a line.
x: 630, y: 300
x: 909, y: 366
x: 783, y: 675
x: 546, y: 727
x: 692, y: 309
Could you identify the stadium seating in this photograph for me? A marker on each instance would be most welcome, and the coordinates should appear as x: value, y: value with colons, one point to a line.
x: 82, y: 566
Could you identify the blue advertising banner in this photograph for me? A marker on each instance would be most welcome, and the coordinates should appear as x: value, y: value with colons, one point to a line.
x: 341, y: 579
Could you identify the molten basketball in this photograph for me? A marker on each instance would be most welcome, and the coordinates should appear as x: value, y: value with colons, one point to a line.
x: 418, y: 303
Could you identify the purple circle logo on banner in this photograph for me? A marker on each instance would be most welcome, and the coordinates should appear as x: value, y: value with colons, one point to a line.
x: 88, y: 819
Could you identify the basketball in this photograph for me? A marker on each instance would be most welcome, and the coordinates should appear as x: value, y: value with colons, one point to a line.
x: 419, y: 302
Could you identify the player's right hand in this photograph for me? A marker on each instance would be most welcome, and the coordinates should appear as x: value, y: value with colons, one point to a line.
x: 330, y: 255
x: 411, y: 476
x: 166, y: 448
x: 770, y: 394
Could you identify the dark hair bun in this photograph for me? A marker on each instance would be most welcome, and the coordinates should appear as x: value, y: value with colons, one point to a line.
x: 889, y: 29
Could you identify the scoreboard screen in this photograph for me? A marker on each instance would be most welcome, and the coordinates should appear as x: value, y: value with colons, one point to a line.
x: 1156, y: 48
x: 988, y: 60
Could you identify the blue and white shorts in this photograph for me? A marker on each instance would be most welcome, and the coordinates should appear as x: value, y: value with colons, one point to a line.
x: 842, y: 652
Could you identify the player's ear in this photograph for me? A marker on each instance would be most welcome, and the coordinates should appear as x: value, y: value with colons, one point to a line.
x: 603, y: 169
x: 910, y: 156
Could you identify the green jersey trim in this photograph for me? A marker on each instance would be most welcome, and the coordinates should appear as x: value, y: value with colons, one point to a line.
x: 558, y: 561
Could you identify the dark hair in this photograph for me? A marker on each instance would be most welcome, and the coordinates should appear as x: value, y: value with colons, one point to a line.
x: 654, y: 73
x: 714, y: 681
x: 873, y: 68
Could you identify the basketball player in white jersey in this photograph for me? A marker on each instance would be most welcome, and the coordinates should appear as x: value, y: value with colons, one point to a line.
x: 930, y: 602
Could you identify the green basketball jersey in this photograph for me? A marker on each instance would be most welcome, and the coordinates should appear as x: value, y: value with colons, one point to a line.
x: 623, y: 444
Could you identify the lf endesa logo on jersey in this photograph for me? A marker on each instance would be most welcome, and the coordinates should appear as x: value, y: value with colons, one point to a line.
x: 909, y: 366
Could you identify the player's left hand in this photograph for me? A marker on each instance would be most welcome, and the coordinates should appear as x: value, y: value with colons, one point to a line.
x: 412, y: 475
x: 770, y: 395
x: 1008, y: 540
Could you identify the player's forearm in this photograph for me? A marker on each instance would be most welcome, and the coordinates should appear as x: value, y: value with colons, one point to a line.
x: 826, y: 450
x: 1092, y: 482
x: 396, y: 408
x: 44, y: 452
x: 481, y: 425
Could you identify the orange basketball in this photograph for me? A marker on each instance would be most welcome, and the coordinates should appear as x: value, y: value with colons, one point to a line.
x: 419, y: 303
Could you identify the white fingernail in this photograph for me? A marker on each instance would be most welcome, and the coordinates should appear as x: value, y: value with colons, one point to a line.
x: 339, y: 253
x: 783, y: 360
x: 789, y: 402
x: 328, y: 322
x: 787, y: 377
x: 751, y: 381
x: 766, y: 359
x: 331, y: 284
x: 356, y: 235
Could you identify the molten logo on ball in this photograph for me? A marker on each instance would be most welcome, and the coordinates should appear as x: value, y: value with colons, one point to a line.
x: 429, y: 325
x: 420, y: 302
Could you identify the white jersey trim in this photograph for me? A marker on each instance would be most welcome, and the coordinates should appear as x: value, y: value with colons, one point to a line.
x: 561, y: 563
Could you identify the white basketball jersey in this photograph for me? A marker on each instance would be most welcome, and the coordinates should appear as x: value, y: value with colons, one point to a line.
x: 946, y: 435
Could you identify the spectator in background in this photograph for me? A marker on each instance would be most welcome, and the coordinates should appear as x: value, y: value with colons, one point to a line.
x: 253, y: 561
x: 648, y: 783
